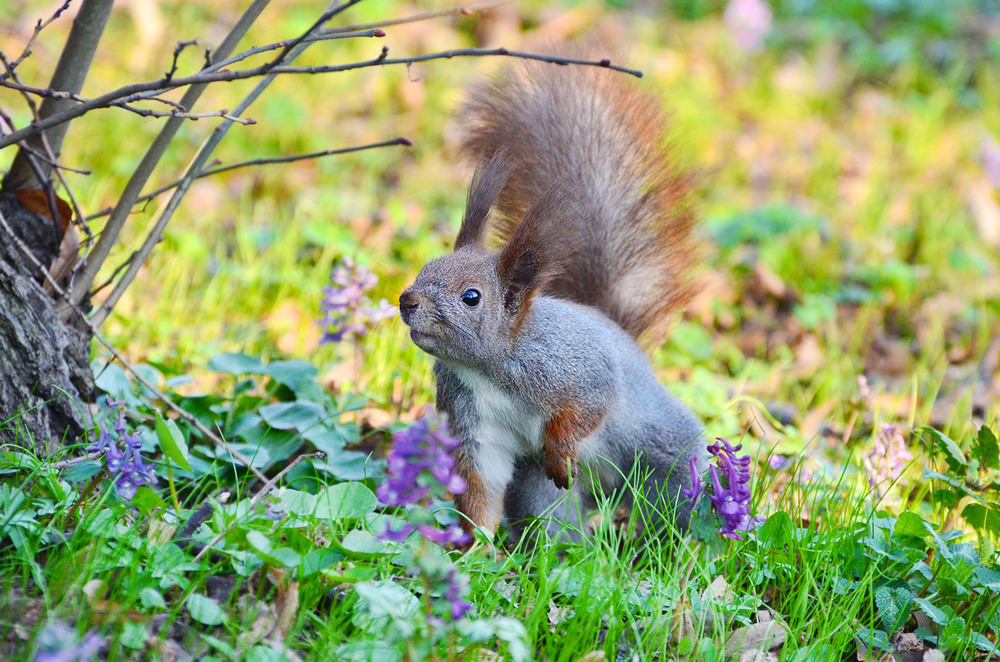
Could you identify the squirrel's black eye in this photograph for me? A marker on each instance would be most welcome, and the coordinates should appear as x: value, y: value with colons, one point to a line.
x: 471, y: 298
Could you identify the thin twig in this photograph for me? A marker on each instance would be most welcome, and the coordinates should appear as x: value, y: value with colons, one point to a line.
x: 178, y: 49
x: 178, y: 112
x: 263, y: 492
x: 469, y: 9
x: 83, y: 279
x: 262, y: 161
x: 256, y: 50
x: 136, y: 91
x: 125, y: 363
x: 39, y: 26
x: 195, y: 166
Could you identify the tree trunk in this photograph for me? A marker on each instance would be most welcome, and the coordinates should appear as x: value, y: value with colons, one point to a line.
x: 44, y: 369
x: 45, y: 375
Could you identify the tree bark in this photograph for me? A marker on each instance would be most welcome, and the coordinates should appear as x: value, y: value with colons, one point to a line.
x: 44, y: 369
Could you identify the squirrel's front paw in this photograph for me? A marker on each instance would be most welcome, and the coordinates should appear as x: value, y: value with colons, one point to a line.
x: 559, y: 468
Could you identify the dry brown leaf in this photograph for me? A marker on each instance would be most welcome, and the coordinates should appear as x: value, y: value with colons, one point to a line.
x: 809, y: 356
x: 756, y: 637
x: 38, y: 202
x: 593, y: 656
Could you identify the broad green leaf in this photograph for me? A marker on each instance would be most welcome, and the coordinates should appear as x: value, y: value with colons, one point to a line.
x: 291, y: 373
x: 933, y: 613
x: 237, y: 364
x: 151, y: 598
x: 172, y: 442
x: 205, y: 610
x: 259, y: 542
x: 299, y: 414
x: 988, y: 578
x: 360, y: 543
x: 910, y: 524
x: 953, y: 454
x: 894, y: 604
x: 777, y: 530
x: 986, y: 449
x: 146, y: 500
x: 133, y: 635
x: 344, y: 500
x: 982, y: 518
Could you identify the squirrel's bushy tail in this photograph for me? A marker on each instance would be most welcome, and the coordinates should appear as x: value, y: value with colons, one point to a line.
x: 603, y: 141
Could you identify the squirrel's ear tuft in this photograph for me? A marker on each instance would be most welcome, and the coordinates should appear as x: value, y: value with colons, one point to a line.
x: 487, y: 183
x: 539, y: 247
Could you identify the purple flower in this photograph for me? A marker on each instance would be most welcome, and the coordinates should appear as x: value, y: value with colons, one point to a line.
x: 58, y: 642
x: 888, y: 457
x: 420, y: 466
x: 455, y: 594
x: 731, y: 500
x: 347, y: 310
x: 779, y: 462
x: 696, y: 485
x: 124, y: 464
x: 749, y: 21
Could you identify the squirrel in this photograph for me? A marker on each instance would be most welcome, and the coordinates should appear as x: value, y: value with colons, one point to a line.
x: 539, y: 344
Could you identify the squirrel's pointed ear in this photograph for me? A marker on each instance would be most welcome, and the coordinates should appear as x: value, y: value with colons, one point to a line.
x: 487, y: 183
x: 546, y: 237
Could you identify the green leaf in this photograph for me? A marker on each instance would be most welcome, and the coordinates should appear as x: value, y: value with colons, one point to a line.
x: 894, y: 604
x: 982, y: 518
x: 172, y: 442
x: 953, y: 454
x: 988, y: 578
x: 133, y: 635
x: 80, y: 472
x: 911, y: 524
x: 777, y: 530
x: 933, y: 613
x: 146, y: 500
x: 291, y: 373
x: 986, y: 449
x: 300, y: 414
x: 362, y: 544
x: 205, y: 610
x: 151, y: 598
x: 344, y: 500
x: 237, y: 364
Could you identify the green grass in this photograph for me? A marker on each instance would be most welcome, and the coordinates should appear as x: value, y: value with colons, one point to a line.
x: 840, y: 242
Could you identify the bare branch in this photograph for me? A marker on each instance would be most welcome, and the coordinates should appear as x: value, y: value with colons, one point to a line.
x: 470, y: 9
x: 39, y: 26
x: 181, y: 45
x: 194, y: 168
x: 82, y: 281
x: 137, y: 91
x: 262, y: 161
x: 215, y: 439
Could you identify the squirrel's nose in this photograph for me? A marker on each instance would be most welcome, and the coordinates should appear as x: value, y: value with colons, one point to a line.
x: 408, y: 303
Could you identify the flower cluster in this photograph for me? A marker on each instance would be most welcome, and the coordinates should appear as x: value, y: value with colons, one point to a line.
x: 889, y: 456
x: 420, y: 466
x: 347, y: 310
x: 58, y: 642
x: 989, y: 158
x: 749, y: 21
x: 732, y: 502
x: 124, y: 463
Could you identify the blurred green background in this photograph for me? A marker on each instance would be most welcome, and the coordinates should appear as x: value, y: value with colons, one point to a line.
x: 849, y: 183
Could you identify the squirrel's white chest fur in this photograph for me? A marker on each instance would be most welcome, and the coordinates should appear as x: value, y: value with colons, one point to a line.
x: 504, y: 429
